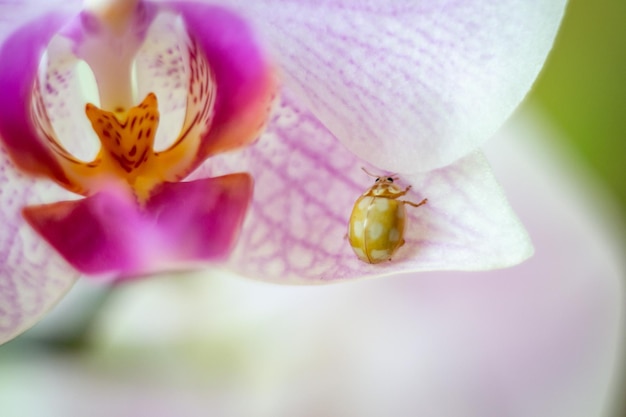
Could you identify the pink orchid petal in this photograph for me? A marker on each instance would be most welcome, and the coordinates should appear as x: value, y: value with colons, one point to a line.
x: 20, y: 54
x: 33, y: 277
x: 307, y: 183
x: 182, y: 223
x: 409, y: 85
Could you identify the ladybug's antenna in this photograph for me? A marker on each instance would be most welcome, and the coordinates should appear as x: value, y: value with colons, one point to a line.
x: 369, y: 173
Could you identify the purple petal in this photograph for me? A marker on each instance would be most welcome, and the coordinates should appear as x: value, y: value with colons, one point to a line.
x: 32, y: 276
x: 409, y: 85
x: 307, y: 183
x: 182, y: 223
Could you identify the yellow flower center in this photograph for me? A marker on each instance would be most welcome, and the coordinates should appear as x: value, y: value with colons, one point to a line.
x: 127, y: 143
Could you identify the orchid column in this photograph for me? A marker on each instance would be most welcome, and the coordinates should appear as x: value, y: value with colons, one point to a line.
x: 407, y: 86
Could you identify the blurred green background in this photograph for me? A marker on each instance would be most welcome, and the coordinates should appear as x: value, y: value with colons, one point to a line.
x: 583, y: 88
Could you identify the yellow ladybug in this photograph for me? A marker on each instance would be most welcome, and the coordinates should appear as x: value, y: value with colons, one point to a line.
x: 376, y: 227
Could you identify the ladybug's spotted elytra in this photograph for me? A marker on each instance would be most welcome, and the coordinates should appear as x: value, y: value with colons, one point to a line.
x: 376, y: 228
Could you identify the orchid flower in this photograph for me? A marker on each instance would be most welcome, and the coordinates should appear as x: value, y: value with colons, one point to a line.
x: 303, y: 93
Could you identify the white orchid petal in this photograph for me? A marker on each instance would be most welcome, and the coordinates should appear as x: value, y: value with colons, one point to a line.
x: 409, y: 85
x: 306, y: 184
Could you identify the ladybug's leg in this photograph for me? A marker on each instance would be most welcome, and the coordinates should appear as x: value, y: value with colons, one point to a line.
x: 421, y: 203
x: 406, y: 190
x: 401, y: 193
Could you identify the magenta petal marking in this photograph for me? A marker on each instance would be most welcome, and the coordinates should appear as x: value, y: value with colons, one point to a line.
x: 182, y: 223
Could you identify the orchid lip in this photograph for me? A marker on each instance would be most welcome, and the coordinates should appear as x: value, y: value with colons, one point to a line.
x: 133, y: 212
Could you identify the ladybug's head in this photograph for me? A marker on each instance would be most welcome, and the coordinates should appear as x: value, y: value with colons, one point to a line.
x: 384, y: 185
x: 385, y: 180
x: 381, y: 179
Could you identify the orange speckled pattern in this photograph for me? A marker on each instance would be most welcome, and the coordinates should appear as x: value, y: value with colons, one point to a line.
x: 127, y: 140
